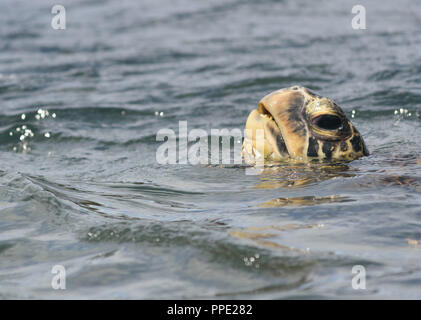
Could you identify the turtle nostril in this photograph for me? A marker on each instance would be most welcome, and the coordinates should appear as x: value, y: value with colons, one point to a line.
x: 327, y: 122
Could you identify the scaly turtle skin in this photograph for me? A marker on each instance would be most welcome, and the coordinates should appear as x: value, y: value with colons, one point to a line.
x: 299, y: 125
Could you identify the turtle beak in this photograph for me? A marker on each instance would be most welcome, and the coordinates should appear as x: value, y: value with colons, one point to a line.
x: 278, y: 116
x: 263, y: 137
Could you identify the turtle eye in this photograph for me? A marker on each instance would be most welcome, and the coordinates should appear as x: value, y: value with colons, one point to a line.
x: 327, y: 122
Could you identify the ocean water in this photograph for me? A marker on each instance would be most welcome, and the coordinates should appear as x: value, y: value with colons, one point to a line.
x: 80, y: 185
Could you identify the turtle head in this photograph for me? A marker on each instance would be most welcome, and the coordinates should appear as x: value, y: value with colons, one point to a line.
x: 295, y: 123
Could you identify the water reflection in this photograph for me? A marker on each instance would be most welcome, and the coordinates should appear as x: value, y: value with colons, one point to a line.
x: 293, y: 176
x: 265, y: 236
x: 303, y: 201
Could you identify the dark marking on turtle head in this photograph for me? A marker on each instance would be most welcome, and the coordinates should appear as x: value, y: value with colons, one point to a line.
x: 294, y: 114
x: 311, y: 93
x: 313, y: 147
x: 356, y: 143
x: 328, y: 148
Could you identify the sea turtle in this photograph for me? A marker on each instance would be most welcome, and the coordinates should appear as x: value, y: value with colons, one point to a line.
x: 299, y: 125
x: 308, y: 139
